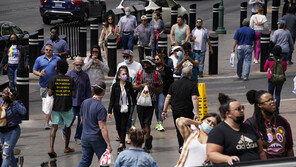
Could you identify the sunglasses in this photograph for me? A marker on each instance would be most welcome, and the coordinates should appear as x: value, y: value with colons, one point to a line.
x: 110, y: 19
x: 78, y: 65
x: 48, y: 50
x: 156, y: 59
x: 198, y: 22
x: 125, y: 57
x: 240, y: 108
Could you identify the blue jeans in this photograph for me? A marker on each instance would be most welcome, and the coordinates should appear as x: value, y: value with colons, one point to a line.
x: 78, y: 133
x: 275, y: 89
x: 244, y: 52
x: 128, y: 41
x: 88, y: 148
x: 11, y: 73
x: 201, y: 59
x: 154, y: 47
x: 130, y: 119
x: 159, y: 107
x: 8, y: 142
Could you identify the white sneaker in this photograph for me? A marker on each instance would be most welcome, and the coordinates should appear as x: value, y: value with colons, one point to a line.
x: 47, y: 126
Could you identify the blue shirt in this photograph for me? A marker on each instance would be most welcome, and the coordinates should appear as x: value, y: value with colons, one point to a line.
x: 245, y: 35
x: 134, y: 156
x: 127, y: 23
x: 42, y: 63
x: 92, y: 112
x: 193, y: 56
x: 59, y: 46
x: 83, y: 89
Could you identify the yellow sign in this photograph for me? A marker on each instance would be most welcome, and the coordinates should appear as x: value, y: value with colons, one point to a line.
x: 202, y: 100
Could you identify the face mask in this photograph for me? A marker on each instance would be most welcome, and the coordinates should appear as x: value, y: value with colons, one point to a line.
x: 127, y: 13
x: 206, y: 127
x: 14, y: 42
x: 268, y: 113
x: 155, y: 17
x: 124, y: 77
x: 127, y: 61
x: 239, y: 119
x: 179, y: 53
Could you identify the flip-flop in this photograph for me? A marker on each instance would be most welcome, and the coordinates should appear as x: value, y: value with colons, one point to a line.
x: 68, y: 150
x: 52, y: 154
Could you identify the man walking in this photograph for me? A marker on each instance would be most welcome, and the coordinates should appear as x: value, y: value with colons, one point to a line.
x: 244, y: 38
x: 127, y: 24
x: 60, y: 46
x: 180, y: 32
x: 62, y: 88
x: 200, y: 38
x: 183, y: 95
x: 290, y: 19
x: 44, y: 67
x: 145, y: 38
x: 152, y: 79
x: 83, y: 91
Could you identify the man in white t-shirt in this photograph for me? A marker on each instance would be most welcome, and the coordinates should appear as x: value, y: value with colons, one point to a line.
x: 133, y: 66
x: 199, y: 38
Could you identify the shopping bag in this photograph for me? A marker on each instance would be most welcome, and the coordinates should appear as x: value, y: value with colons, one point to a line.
x: 47, y: 104
x: 232, y: 57
x: 106, y: 158
x: 145, y: 98
x: 294, y: 90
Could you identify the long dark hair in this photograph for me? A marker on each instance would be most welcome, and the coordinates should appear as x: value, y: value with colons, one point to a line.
x: 224, y: 100
x: 216, y: 116
x: 99, y: 49
x: 106, y: 25
x: 8, y: 42
x: 119, y: 70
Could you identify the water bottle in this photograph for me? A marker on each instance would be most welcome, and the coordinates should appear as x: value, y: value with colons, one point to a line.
x: 232, y: 56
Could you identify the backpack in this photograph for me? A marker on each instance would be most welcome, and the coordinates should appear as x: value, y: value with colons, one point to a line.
x: 278, y: 73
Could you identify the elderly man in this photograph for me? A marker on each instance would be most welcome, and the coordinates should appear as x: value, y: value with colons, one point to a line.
x: 183, y: 95
x: 180, y: 32
x: 244, y: 39
x: 127, y: 24
x: 145, y: 34
x: 83, y: 91
x: 44, y: 67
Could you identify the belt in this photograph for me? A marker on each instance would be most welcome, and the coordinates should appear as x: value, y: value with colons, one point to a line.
x: 127, y: 32
x: 157, y: 34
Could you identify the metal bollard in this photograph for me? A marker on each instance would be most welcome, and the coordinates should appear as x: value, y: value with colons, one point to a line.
x: 265, y: 41
x: 265, y: 7
x: 22, y: 84
x: 174, y: 15
x: 275, y: 14
x: 213, y: 59
x: 82, y: 39
x: 243, y: 12
x: 94, y: 26
x: 33, y: 49
x: 40, y: 38
x: 162, y: 43
x: 112, y: 54
x: 192, y: 16
x: 215, y: 16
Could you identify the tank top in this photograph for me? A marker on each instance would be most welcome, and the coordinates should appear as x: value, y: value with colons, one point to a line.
x: 196, y: 153
x: 180, y: 34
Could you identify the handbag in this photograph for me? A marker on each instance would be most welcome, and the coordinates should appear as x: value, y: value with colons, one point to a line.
x: 145, y: 98
x: 106, y: 158
x: 47, y: 104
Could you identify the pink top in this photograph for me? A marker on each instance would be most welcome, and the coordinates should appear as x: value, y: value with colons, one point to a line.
x: 269, y: 65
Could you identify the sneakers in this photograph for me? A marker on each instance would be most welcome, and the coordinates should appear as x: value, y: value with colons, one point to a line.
x: 245, y: 79
x: 180, y: 150
x: 69, y: 150
x: 160, y: 128
x: 157, y: 126
x: 120, y: 149
x: 256, y: 61
x: 148, y: 143
x: 47, y: 126
x: 77, y: 141
x: 289, y: 62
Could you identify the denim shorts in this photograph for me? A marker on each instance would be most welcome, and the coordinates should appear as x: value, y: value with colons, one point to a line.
x: 62, y: 118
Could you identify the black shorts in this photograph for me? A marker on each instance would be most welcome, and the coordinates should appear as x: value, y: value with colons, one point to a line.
x: 145, y: 114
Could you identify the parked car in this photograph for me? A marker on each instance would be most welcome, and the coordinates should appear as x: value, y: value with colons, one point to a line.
x: 71, y: 10
x: 6, y: 29
x: 166, y: 6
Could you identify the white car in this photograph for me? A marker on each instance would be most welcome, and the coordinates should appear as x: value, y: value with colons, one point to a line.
x: 166, y: 6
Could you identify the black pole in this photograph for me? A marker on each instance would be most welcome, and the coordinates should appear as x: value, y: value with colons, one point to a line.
x: 275, y: 14
x: 174, y: 15
x: 162, y: 43
x: 33, y: 49
x: 265, y: 40
x: 243, y: 12
x: 94, y: 26
x: 40, y: 39
x: 213, y: 59
x: 149, y: 15
x: 265, y: 7
x: 215, y: 16
x: 82, y: 39
x: 192, y: 16
x: 112, y: 54
x: 22, y: 84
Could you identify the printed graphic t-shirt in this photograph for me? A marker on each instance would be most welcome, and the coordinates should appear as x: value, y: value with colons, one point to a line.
x: 13, y: 55
x: 242, y: 143
x: 62, y: 87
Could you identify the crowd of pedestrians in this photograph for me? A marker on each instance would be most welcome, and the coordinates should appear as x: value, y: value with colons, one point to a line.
x: 168, y: 81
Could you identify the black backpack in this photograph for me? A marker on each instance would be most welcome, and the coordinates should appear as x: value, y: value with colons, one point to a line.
x: 278, y: 73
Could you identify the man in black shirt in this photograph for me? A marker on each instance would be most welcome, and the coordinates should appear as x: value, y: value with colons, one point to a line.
x: 184, y: 95
x: 62, y: 88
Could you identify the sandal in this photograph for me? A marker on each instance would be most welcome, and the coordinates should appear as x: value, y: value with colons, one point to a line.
x: 52, y: 154
x: 117, y: 139
x: 68, y: 150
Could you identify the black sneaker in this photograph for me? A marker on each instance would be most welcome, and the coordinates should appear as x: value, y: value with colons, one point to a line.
x: 147, y: 150
x: 148, y: 142
x: 120, y: 149
x: 180, y: 150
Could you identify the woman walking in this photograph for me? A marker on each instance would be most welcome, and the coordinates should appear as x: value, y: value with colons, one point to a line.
x: 120, y: 104
x: 158, y: 28
x: 10, y: 133
x: 108, y: 29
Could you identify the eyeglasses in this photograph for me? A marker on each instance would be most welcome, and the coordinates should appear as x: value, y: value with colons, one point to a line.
x: 268, y: 101
x: 125, y: 57
x: 199, y: 22
x: 49, y: 50
x: 79, y: 65
x: 240, y: 108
